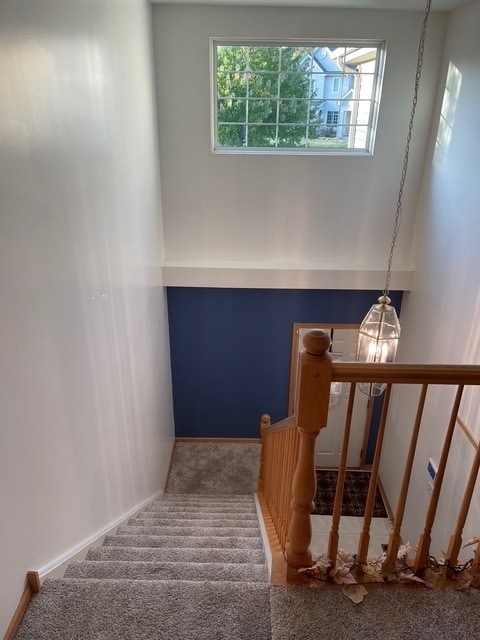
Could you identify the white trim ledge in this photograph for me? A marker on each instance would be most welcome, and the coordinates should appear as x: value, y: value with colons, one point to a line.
x: 282, y: 277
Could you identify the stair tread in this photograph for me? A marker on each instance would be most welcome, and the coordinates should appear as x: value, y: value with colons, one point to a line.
x: 187, y: 541
x: 135, y: 570
x: 187, y: 554
x: 243, y: 497
x: 154, y: 564
x: 82, y: 582
x: 164, y: 530
x: 193, y: 517
x: 198, y: 514
x: 192, y: 524
x: 195, y: 508
x: 233, y: 504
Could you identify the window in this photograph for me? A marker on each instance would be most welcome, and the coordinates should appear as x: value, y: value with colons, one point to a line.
x: 332, y: 117
x: 290, y: 97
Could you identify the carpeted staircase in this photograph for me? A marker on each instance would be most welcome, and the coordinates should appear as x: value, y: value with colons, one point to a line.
x: 190, y: 566
x: 182, y: 538
x: 185, y: 567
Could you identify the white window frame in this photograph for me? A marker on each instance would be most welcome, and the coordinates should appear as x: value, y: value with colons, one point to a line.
x: 371, y: 126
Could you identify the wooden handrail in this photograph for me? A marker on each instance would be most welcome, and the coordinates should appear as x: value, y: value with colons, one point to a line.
x: 283, y: 425
x: 288, y: 454
x: 405, y: 373
x: 277, y: 464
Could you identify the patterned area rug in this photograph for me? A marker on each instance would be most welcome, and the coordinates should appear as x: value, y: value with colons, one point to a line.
x: 354, y: 494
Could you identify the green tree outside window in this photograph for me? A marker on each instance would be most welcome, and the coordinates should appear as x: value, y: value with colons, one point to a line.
x: 264, y: 96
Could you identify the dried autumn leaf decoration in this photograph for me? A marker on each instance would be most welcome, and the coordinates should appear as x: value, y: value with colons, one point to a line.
x: 356, y: 592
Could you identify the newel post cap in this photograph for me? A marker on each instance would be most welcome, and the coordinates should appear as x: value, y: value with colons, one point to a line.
x: 316, y: 342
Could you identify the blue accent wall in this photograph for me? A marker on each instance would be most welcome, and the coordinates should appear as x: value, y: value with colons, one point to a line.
x: 230, y: 351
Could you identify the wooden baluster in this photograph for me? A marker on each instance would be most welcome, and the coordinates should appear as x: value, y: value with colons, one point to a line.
x: 265, y: 422
x: 268, y: 470
x: 283, y: 483
x: 278, y: 476
x: 424, y: 542
x: 456, y: 539
x: 395, y: 539
x: 315, y: 370
x: 278, y: 487
x: 265, y: 463
x: 274, y: 480
x: 364, y: 541
x: 293, y: 436
x: 293, y: 464
x: 284, y: 486
x: 342, y: 469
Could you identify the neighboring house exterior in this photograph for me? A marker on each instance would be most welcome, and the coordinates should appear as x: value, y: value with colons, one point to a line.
x: 342, y: 84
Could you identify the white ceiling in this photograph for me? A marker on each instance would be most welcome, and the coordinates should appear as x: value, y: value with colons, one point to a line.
x: 419, y: 5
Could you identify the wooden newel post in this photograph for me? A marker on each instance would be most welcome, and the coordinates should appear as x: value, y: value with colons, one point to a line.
x: 312, y: 398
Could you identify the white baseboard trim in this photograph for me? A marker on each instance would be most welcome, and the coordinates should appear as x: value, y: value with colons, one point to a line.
x: 56, y: 568
x: 266, y: 544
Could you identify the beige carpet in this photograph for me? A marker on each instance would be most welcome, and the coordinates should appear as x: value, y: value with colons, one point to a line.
x: 214, y: 468
x: 191, y: 568
x: 389, y: 613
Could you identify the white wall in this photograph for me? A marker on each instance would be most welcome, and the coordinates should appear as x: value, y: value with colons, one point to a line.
x: 293, y: 212
x: 86, y: 418
x: 440, y: 317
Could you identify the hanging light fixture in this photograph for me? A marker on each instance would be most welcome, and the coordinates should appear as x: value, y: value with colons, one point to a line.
x: 380, y: 329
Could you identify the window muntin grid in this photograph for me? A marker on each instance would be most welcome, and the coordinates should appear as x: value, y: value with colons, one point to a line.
x: 295, y: 98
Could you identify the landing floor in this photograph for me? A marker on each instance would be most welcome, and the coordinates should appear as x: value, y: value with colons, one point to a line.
x: 350, y: 528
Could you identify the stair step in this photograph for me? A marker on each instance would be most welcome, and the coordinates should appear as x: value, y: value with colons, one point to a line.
x: 195, y: 508
x: 192, y: 517
x: 200, y: 497
x: 144, y: 609
x: 165, y: 530
x: 185, y: 554
x: 111, y: 570
x: 251, y: 523
x: 215, y: 542
x: 204, y: 504
x: 203, y: 499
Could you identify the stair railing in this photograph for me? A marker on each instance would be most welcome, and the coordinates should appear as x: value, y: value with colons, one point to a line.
x: 278, y: 459
x: 287, y: 473
x: 289, y: 486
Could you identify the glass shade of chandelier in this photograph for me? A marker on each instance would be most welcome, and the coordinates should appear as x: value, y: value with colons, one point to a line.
x: 378, y: 340
x: 380, y: 329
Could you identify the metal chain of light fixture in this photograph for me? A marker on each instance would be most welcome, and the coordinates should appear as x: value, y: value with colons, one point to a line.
x: 396, y: 225
x: 379, y: 331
